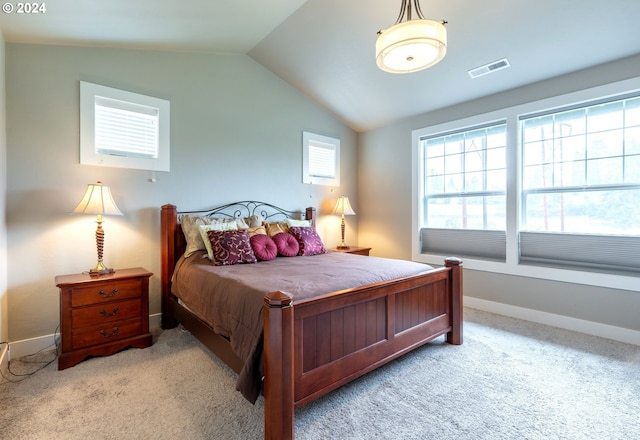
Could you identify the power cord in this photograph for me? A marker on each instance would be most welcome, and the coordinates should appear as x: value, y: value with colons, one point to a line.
x: 28, y: 359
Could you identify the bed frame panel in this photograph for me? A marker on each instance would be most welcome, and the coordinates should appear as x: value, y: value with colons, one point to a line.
x: 317, y: 345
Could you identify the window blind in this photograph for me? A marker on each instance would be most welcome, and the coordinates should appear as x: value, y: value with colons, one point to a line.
x: 125, y: 129
x: 607, y: 252
x: 464, y: 242
x: 322, y: 159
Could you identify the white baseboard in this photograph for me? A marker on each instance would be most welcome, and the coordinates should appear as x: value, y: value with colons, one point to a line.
x: 565, y: 322
x: 30, y: 346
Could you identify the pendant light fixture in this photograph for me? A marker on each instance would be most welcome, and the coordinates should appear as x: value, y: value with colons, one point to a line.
x: 411, y: 44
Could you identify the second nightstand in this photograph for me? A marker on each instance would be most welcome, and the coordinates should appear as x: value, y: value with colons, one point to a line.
x: 100, y: 315
x: 353, y: 250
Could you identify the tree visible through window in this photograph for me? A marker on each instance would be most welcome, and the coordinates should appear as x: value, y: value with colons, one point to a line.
x: 581, y: 169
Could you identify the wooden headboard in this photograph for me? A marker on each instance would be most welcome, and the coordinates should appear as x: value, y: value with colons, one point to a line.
x: 173, y: 243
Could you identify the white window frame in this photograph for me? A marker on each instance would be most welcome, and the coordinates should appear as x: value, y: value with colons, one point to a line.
x: 512, y: 266
x: 482, y: 242
x: 331, y: 176
x: 89, y: 154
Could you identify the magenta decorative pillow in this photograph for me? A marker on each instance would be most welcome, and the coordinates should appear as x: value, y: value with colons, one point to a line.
x: 286, y: 244
x: 231, y: 247
x: 263, y: 247
x: 308, y: 240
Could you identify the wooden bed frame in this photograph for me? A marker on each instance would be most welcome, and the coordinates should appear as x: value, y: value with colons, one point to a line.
x: 314, y: 346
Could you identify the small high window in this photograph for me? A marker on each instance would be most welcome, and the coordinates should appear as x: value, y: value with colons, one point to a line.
x: 320, y: 159
x: 123, y: 129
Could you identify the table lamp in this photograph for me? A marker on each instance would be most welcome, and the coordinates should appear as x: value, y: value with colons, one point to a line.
x: 97, y: 200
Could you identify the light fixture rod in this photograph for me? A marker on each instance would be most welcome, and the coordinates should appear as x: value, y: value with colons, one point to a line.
x: 406, y: 8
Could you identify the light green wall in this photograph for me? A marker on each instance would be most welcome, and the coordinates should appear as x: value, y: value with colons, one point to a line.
x: 236, y: 132
x: 385, y: 168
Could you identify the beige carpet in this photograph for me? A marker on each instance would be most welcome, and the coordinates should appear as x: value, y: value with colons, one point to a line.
x: 510, y: 380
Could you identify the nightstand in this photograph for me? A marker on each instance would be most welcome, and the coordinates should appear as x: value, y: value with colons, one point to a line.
x: 353, y: 250
x: 100, y: 315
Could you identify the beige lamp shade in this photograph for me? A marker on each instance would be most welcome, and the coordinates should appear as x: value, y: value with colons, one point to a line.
x: 343, y: 207
x: 97, y: 200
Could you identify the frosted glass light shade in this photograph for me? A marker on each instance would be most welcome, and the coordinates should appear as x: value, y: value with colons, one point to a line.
x: 411, y: 46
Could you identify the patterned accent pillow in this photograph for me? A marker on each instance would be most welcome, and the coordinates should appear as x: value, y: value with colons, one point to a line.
x: 218, y: 226
x: 308, y: 240
x: 264, y: 247
x: 231, y: 247
x: 286, y: 244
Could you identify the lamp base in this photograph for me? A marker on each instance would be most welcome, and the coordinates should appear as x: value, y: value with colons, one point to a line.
x: 343, y: 246
x: 105, y: 271
x: 100, y: 269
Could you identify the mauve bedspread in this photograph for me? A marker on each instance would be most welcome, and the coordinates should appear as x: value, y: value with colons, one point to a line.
x: 230, y: 298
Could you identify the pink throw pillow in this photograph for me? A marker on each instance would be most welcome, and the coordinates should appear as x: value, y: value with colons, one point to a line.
x: 286, y: 244
x: 231, y: 247
x: 264, y: 247
x: 308, y: 240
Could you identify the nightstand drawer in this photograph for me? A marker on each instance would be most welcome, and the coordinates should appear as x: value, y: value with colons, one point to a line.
x: 103, y: 313
x: 99, y: 334
x: 100, y: 293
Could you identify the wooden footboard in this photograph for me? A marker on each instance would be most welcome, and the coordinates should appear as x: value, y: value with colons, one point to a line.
x: 315, y: 346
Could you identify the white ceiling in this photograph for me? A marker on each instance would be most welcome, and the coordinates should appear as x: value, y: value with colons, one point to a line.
x: 325, y: 48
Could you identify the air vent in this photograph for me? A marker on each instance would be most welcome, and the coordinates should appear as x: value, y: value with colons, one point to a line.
x: 489, y: 68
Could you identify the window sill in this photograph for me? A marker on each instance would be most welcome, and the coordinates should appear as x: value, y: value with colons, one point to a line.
x: 612, y: 281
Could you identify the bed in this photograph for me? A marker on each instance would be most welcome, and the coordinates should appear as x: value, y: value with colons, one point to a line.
x: 306, y: 335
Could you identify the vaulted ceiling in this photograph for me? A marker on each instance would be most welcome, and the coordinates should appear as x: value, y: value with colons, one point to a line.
x: 325, y: 48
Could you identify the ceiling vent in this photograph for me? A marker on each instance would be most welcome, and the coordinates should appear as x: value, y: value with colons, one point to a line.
x: 489, y: 68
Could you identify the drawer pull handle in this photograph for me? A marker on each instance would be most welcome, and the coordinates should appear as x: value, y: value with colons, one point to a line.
x: 106, y: 314
x: 108, y: 295
x: 104, y: 334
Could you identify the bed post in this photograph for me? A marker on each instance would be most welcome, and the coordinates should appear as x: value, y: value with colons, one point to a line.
x: 278, y: 367
x: 168, y: 226
x: 310, y: 214
x: 455, y: 335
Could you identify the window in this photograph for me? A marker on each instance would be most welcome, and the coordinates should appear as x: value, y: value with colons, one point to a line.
x: 581, y: 184
x: 581, y: 168
x: 464, y: 178
x: 123, y: 129
x: 569, y: 205
x: 320, y: 159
